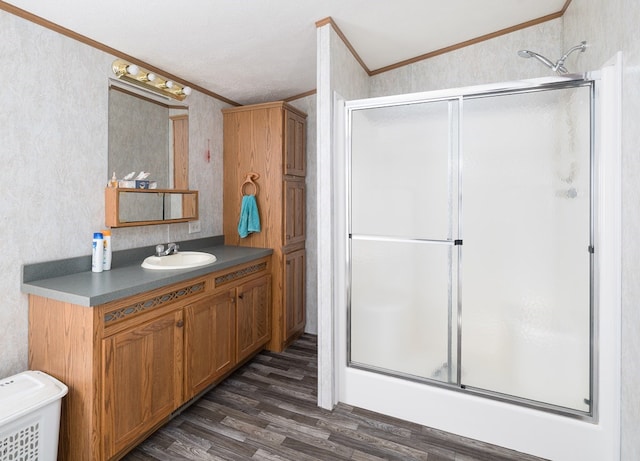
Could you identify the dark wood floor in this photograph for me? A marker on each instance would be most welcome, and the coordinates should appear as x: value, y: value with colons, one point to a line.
x: 267, y: 411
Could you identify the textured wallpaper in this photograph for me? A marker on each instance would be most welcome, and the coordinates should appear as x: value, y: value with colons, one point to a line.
x: 54, y: 150
x: 490, y: 61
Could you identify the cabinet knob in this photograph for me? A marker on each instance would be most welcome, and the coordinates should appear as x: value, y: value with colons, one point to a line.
x: 288, y: 237
x: 241, y: 296
x: 180, y: 323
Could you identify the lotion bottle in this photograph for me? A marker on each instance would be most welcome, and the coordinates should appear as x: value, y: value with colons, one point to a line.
x: 97, y: 253
x: 106, y: 259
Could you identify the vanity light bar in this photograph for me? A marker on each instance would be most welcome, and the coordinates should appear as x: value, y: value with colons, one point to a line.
x: 133, y: 73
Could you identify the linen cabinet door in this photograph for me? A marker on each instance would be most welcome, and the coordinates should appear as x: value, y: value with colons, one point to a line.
x: 294, y: 293
x: 294, y: 212
x: 254, y: 316
x: 142, y: 380
x: 295, y: 144
x: 209, y: 341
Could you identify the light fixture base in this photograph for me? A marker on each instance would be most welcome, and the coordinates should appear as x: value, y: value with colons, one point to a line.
x: 149, y: 80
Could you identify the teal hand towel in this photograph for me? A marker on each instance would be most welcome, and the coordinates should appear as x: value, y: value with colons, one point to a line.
x: 249, y: 218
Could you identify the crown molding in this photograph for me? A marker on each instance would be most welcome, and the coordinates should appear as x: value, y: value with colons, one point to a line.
x: 448, y: 49
x: 107, y: 49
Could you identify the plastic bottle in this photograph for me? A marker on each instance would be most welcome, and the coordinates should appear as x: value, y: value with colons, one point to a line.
x: 97, y: 253
x: 106, y: 259
x: 113, y: 182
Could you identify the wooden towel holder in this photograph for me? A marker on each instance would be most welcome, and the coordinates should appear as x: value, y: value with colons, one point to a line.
x: 249, y: 181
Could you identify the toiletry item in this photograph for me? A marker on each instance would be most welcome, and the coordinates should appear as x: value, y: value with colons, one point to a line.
x: 106, y: 260
x: 97, y: 253
x: 114, y: 181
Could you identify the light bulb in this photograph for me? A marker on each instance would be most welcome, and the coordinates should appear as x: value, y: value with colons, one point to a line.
x: 169, y: 84
x: 132, y: 69
x: 186, y: 90
x: 151, y: 76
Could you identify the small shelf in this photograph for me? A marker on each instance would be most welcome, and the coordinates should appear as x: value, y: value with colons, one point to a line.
x: 143, y: 207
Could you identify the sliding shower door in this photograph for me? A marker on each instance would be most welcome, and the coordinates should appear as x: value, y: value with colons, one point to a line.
x: 402, y: 222
x: 527, y: 236
x: 471, y: 243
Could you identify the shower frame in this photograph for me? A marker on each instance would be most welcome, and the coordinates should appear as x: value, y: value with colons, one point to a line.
x: 458, y: 96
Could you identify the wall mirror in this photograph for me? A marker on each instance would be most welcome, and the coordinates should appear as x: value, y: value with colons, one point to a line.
x: 142, y: 136
x: 148, y: 133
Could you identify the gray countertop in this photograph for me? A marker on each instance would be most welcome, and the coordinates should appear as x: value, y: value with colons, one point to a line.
x: 87, y: 288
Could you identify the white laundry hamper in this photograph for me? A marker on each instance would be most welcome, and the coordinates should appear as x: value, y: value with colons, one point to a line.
x: 30, y: 416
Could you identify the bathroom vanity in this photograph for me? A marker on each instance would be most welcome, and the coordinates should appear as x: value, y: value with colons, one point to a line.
x: 134, y: 346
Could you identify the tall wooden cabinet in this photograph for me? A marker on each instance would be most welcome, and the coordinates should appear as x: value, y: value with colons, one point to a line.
x: 269, y: 139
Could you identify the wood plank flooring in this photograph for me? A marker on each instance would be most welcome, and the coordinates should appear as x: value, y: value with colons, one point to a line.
x: 267, y: 411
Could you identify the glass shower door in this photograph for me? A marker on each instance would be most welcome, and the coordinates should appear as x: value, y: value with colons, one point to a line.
x: 402, y: 217
x: 526, y: 263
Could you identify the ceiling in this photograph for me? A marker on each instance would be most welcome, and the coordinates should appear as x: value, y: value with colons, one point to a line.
x: 251, y: 51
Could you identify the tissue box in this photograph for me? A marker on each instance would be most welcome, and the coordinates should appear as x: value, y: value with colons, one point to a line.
x: 138, y: 184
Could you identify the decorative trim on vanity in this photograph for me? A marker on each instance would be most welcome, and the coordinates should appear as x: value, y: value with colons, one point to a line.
x: 151, y: 303
x: 231, y: 276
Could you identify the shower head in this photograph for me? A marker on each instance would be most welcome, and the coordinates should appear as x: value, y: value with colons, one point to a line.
x: 539, y: 57
x: 558, y: 66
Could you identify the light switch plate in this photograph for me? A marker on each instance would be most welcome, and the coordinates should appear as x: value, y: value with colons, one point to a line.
x: 194, y: 227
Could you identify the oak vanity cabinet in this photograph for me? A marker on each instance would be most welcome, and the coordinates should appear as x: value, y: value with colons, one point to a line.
x: 254, y: 316
x: 131, y: 363
x: 142, y: 380
x: 209, y: 340
x: 269, y: 140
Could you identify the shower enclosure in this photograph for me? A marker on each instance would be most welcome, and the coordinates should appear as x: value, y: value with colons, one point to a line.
x: 470, y: 242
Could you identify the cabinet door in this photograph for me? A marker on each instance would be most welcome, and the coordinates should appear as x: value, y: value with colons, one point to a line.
x: 295, y: 144
x: 209, y: 341
x: 294, y: 211
x: 254, y: 316
x: 294, y: 292
x: 142, y: 376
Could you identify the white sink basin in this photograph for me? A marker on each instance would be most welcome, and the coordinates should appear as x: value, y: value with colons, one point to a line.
x: 180, y: 260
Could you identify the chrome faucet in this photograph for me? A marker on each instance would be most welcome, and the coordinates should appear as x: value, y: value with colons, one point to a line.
x: 172, y: 248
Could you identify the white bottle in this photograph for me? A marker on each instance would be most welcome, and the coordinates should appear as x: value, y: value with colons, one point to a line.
x: 97, y: 253
x: 106, y: 259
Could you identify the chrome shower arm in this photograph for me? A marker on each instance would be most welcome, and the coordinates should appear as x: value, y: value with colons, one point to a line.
x: 581, y: 47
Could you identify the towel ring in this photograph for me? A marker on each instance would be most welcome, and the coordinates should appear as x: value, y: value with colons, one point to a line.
x: 248, y: 181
